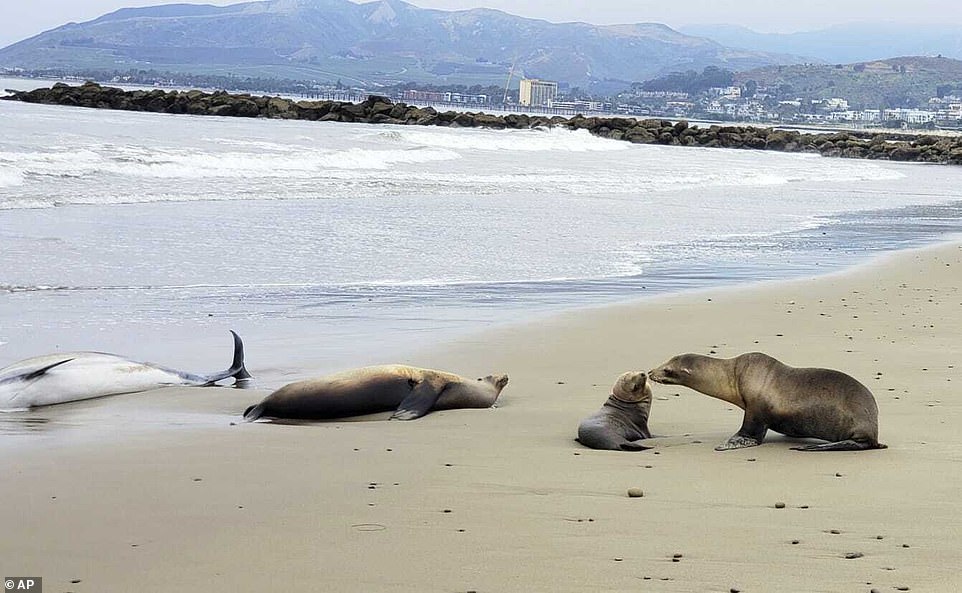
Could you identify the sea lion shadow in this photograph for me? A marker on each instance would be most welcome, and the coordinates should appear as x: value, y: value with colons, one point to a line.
x: 654, y: 442
x: 376, y: 417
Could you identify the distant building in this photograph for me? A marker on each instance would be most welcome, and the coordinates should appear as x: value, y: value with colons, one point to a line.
x: 416, y: 96
x: 909, y: 116
x: 537, y: 93
x: 725, y: 92
x: 836, y: 104
x: 581, y: 106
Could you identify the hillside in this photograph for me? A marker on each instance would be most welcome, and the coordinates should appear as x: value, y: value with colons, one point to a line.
x: 382, y: 42
x: 898, y: 82
x: 843, y: 44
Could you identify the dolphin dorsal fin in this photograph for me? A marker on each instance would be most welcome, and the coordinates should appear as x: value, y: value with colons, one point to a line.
x: 34, y: 374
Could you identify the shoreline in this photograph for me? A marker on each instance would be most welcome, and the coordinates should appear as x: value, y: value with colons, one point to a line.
x: 380, y: 327
x: 452, y: 501
x: 211, y: 410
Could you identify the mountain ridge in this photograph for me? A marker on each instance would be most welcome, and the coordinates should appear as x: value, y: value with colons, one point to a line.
x: 843, y: 43
x: 381, y: 42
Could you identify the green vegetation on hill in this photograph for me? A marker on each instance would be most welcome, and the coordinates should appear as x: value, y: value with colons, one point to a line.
x: 690, y: 82
x: 907, y: 82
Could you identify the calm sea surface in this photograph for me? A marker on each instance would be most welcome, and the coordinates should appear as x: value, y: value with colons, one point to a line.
x: 328, y: 245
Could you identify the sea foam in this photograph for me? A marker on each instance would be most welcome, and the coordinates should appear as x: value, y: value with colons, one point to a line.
x: 10, y: 177
x: 536, y: 140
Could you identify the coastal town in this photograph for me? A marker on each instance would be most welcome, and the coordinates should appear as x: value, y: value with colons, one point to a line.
x: 747, y: 103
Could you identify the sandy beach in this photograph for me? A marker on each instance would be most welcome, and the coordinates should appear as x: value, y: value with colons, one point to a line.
x: 175, y: 493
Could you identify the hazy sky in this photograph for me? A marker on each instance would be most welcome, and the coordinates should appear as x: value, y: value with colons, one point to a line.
x: 20, y: 19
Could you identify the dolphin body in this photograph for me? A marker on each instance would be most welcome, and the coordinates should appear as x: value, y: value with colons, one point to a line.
x: 74, y: 376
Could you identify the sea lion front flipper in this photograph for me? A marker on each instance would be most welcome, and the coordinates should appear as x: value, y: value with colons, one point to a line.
x: 738, y: 441
x: 417, y: 403
x: 751, y: 434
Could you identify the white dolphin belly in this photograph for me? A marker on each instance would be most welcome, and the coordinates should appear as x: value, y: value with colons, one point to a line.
x: 73, y: 376
x: 85, y: 375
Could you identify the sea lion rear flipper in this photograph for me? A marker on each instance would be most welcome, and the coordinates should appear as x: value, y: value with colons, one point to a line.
x: 417, y: 403
x: 254, y: 412
x: 634, y: 446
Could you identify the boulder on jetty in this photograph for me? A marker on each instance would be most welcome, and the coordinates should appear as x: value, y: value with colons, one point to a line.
x: 381, y: 110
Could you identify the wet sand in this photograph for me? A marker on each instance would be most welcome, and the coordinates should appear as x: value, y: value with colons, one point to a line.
x: 170, y: 495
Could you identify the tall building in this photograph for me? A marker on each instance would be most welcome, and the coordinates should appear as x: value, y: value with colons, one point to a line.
x: 537, y: 93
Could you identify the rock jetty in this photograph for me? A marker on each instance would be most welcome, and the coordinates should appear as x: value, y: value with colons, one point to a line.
x: 380, y: 110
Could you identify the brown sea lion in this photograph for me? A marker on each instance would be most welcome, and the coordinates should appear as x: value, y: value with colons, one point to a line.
x: 623, y: 419
x: 798, y: 402
x: 411, y: 391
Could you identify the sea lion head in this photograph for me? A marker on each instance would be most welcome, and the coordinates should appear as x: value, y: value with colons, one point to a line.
x: 674, y: 372
x: 631, y: 387
x: 496, y: 381
x: 472, y: 394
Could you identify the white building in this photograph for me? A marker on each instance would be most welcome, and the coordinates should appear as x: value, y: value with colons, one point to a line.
x: 537, y: 93
x: 725, y: 92
x: 909, y: 116
x: 836, y: 104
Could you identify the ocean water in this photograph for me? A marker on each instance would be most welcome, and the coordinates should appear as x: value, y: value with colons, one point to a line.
x: 329, y: 245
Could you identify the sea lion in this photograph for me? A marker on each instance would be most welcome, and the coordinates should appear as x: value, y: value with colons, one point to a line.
x: 411, y: 391
x: 623, y: 419
x: 74, y: 376
x: 797, y: 402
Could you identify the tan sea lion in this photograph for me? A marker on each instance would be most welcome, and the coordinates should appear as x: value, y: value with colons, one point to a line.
x: 798, y: 402
x: 412, y: 391
x: 623, y: 419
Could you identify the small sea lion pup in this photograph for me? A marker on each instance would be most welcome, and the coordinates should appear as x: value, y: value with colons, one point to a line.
x: 623, y: 419
x: 798, y: 402
x: 411, y: 391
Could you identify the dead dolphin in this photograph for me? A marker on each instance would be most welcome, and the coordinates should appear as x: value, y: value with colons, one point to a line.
x: 74, y: 376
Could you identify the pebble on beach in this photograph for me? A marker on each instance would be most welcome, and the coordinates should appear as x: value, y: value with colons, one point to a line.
x: 635, y: 493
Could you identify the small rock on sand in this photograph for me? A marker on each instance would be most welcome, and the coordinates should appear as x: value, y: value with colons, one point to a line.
x: 635, y: 493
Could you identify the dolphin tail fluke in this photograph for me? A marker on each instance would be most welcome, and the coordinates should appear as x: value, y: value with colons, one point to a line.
x: 254, y: 412
x: 239, y: 371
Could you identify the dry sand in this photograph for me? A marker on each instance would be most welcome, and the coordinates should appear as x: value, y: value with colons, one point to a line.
x: 504, y: 499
